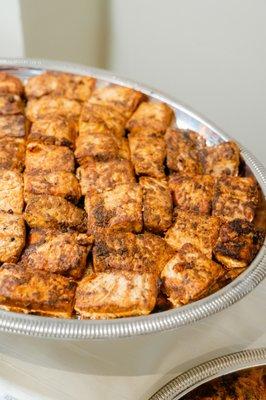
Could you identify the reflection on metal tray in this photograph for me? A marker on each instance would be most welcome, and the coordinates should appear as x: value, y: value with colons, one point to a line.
x: 210, y: 370
x: 102, y: 329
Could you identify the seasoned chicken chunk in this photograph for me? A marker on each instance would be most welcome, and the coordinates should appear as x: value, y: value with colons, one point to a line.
x: 38, y: 292
x: 70, y: 86
x: 116, y: 294
x: 152, y: 253
x: 114, y: 252
x: 245, y: 188
x: 235, y: 197
x: 58, y: 252
x: 220, y: 160
x: 12, y: 237
x: 12, y: 126
x: 148, y: 152
x: 48, y: 158
x: 54, y: 212
x: 188, y: 274
x: 238, y: 243
x: 12, y: 153
x: 10, y: 84
x: 153, y: 116
x: 193, y: 193
x: 243, y: 385
x: 129, y: 252
x: 199, y: 230
x: 11, y: 105
x: 157, y: 204
x: 55, y: 130
x: 101, y: 175
x: 58, y: 183
x: 11, y: 191
x: 123, y: 99
x: 115, y: 209
x: 50, y: 106
x: 182, y: 147
x: 101, y: 147
x: 96, y: 118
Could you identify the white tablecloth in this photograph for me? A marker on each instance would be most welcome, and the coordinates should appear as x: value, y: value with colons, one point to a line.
x: 127, y: 369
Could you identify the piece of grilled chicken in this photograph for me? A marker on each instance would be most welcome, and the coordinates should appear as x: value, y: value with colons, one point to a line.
x: 51, y: 250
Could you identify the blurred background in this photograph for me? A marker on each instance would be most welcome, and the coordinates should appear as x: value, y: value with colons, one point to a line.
x: 209, y: 54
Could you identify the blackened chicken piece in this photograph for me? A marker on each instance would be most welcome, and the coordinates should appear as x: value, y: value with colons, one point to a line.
x: 70, y: 86
x: 54, y: 212
x: 220, y: 160
x: 115, y: 209
x: 193, y: 193
x: 58, y: 252
x: 12, y: 126
x: 129, y: 252
x: 58, y: 183
x: 48, y: 158
x: 238, y: 243
x: 12, y: 153
x: 199, y: 230
x: 12, y: 237
x: 101, y: 147
x: 38, y: 292
x: 123, y: 99
x: 235, y: 197
x: 116, y: 294
x: 188, y: 274
x: 11, y: 191
x: 102, y: 175
x: 10, y: 85
x: 148, y: 152
x: 157, y: 204
x: 183, y: 151
x: 56, y: 131
x: 97, y: 118
x: 50, y: 106
x: 155, y: 117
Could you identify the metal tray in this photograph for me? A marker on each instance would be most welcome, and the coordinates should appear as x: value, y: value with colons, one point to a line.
x: 102, y: 329
x: 208, y: 371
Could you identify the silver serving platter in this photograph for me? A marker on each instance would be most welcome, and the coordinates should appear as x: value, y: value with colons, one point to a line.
x: 105, y: 329
x: 188, y: 381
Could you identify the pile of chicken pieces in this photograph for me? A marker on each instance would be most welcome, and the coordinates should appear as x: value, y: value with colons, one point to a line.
x: 107, y: 209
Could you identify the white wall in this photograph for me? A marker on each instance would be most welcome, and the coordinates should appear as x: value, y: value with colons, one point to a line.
x: 209, y: 54
x: 68, y: 30
x: 11, y: 38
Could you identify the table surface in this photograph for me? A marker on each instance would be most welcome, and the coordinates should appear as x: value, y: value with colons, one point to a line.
x: 126, y: 369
